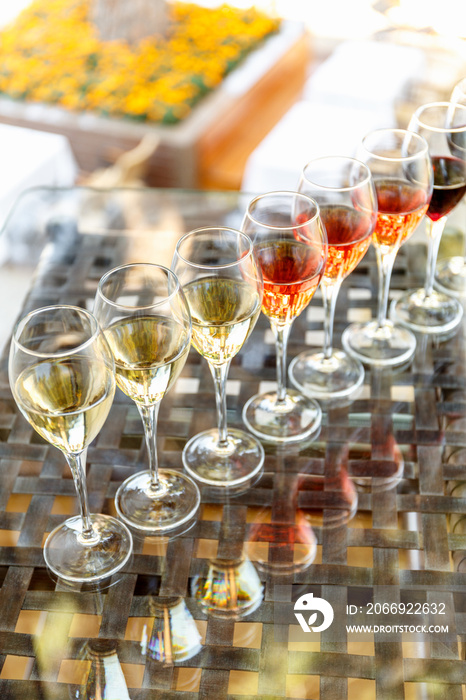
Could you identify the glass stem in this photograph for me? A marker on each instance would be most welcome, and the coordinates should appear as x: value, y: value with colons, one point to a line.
x: 434, y: 230
x: 149, y: 414
x: 220, y: 373
x: 281, y: 333
x: 329, y: 296
x: 76, y: 462
x: 385, y: 263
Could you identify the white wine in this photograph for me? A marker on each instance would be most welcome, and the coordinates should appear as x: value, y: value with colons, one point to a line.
x: 66, y: 400
x: 224, y: 312
x: 149, y: 353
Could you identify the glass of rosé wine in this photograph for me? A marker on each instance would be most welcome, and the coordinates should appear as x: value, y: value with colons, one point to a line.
x: 450, y: 275
x: 290, y: 243
x: 443, y: 125
x: 402, y: 173
x: 344, y: 190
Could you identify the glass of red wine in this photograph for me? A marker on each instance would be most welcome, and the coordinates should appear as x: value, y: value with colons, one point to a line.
x: 443, y: 125
x: 402, y: 173
x: 290, y: 243
x: 450, y: 275
x: 344, y: 190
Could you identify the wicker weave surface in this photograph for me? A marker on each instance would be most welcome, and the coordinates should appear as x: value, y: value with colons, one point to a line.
x: 404, y: 542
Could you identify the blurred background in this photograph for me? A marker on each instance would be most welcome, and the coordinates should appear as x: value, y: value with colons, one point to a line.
x: 311, y: 84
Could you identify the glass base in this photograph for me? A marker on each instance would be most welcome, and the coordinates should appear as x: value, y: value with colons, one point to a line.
x: 175, y: 637
x: 285, y: 547
x: 382, y: 346
x: 315, y: 375
x: 297, y: 418
x: 450, y: 276
x: 237, y: 462
x: 72, y: 558
x: 329, y: 501
x: 231, y: 590
x: 437, y: 313
x: 386, y: 478
x: 164, y: 508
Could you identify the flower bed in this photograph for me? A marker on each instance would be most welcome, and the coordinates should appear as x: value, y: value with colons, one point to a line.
x: 52, y: 54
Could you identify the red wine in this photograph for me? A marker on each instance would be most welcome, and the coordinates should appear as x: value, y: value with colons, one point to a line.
x: 449, y: 186
x: 349, y: 236
x: 292, y: 271
x: 402, y: 205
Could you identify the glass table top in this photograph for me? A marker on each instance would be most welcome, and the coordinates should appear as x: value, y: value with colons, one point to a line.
x: 348, y: 549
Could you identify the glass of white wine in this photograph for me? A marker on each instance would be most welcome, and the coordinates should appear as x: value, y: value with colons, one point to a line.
x: 143, y: 313
x: 222, y: 282
x: 62, y: 377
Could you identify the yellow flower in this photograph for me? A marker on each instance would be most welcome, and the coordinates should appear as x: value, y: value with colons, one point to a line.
x: 52, y: 54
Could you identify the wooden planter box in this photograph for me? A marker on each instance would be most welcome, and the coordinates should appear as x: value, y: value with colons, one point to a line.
x: 210, y: 147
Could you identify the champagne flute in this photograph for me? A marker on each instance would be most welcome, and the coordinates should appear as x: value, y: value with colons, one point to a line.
x: 450, y: 275
x: 62, y: 377
x: 443, y: 125
x: 344, y: 190
x: 143, y: 312
x: 402, y: 173
x: 291, y: 246
x: 223, y: 286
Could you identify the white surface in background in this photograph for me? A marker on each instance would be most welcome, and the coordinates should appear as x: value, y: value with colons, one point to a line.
x: 14, y: 285
x: 9, y: 9
x: 366, y: 74
x: 308, y: 130
x: 31, y: 158
x: 351, y: 93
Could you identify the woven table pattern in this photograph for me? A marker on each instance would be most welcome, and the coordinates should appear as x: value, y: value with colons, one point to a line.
x: 403, y: 542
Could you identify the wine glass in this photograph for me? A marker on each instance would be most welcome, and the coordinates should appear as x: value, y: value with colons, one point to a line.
x: 281, y: 541
x: 232, y: 588
x: 402, y: 173
x: 174, y: 637
x: 143, y: 312
x: 98, y: 672
x: 62, y: 377
x: 344, y: 190
x: 291, y: 246
x: 218, y: 271
x: 450, y: 275
x: 443, y: 125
